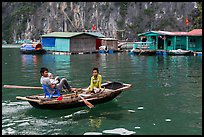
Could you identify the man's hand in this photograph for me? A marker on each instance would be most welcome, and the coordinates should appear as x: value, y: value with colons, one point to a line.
x: 52, y: 85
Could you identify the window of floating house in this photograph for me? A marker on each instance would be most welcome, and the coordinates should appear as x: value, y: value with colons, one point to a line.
x: 178, y: 40
x: 192, y: 43
x: 153, y: 39
x: 178, y: 43
x: 169, y: 43
x: 144, y: 39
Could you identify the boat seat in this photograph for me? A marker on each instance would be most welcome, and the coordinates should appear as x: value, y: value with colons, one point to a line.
x: 85, y: 95
x: 48, y: 94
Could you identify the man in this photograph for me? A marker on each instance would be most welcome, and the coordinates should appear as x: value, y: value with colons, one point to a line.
x: 46, y: 80
x: 96, y: 80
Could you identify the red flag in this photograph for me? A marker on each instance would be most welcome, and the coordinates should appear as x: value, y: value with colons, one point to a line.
x: 94, y: 27
x: 187, y: 21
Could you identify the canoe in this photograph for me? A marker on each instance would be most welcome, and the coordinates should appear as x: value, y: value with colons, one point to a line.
x: 70, y: 100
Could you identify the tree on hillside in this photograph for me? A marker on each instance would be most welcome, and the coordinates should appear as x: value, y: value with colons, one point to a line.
x: 196, y: 17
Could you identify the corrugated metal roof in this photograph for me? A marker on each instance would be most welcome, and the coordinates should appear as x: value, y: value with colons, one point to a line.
x: 145, y: 33
x: 165, y: 32
x: 171, y: 33
x: 72, y: 34
x: 97, y: 34
x: 108, y: 38
x: 62, y: 34
x: 155, y: 32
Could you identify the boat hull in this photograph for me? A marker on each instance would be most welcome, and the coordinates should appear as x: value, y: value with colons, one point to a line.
x: 33, y: 51
x: 180, y: 54
x: 73, y: 104
x: 147, y: 52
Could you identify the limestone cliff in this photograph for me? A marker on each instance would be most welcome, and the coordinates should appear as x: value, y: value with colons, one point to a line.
x: 114, y: 19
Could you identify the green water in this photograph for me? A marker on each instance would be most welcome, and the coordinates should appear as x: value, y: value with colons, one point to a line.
x: 167, y: 87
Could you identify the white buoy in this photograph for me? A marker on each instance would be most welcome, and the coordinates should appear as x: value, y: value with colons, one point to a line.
x: 92, y: 133
x: 131, y: 111
x: 137, y: 127
x: 121, y: 131
x: 167, y: 120
x: 140, y: 108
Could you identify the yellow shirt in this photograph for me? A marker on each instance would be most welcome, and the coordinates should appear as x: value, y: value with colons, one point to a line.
x: 96, y: 82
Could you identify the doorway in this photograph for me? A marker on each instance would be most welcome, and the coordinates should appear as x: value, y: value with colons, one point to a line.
x: 160, y: 42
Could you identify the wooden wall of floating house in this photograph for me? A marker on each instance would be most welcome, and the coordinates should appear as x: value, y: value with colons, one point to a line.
x: 181, y: 42
x: 48, y: 43
x: 83, y: 43
x: 152, y: 37
x: 62, y: 44
x: 169, y: 42
x: 165, y: 43
x: 198, y: 43
x: 195, y: 43
x: 111, y: 44
x: 174, y: 45
x: 115, y: 44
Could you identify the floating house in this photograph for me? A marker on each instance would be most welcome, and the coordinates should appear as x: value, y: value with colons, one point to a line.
x: 72, y: 42
x: 165, y: 40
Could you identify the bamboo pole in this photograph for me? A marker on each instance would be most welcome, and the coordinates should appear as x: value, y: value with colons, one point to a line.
x: 21, y: 87
x: 27, y: 99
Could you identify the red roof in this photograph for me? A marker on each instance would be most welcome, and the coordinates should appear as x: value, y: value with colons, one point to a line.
x: 195, y: 32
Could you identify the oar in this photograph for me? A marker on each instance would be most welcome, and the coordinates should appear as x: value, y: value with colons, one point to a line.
x: 21, y: 87
x: 86, y: 102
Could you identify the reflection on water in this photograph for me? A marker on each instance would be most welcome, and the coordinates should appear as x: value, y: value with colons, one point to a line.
x: 163, y: 87
x: 30, y: 117
x: 28, y: 59
x: 58, y: 64
x: 95, y: 122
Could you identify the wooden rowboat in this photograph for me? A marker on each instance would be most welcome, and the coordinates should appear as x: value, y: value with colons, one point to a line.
x: 111, y: 90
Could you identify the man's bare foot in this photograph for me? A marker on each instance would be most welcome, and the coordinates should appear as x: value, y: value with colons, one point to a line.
x: 78, y: 89
x: 73, y: 89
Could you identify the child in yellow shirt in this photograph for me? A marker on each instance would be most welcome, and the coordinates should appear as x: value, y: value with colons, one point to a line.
x: 96, y: 80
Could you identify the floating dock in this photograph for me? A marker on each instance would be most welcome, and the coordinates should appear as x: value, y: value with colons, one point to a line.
x: 71, y: 53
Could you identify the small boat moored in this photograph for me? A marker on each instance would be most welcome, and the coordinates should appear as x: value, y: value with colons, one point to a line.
x: 111, y: 90
x: 180, y: 52
x: 33, y: 48
x: 104, y: 49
